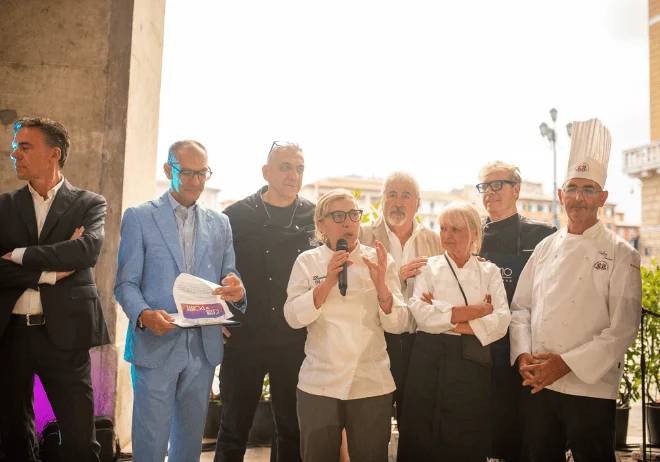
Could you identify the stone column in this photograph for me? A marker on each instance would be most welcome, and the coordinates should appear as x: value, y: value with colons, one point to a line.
x: 95, y: 66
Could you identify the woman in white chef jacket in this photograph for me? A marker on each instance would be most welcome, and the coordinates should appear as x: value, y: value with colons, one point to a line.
x: 460, y: 307
x: 345, y: 380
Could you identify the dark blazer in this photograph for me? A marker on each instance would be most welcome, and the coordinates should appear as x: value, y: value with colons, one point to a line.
x: 74, y: 318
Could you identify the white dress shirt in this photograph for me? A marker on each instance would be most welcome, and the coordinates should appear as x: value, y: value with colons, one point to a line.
x: 30, y: 301
x: 346, y: 356
x: 402, y: 254
x: 579, y: 296
x: 477, y: 280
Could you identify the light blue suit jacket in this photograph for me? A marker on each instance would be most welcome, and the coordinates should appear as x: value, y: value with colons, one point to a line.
x: 150, y: 259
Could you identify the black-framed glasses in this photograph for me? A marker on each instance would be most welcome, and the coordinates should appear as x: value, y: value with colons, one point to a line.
x: 494, y: 185
x: 187, y: 174
x: 339, y: 216
x: 587, y: 191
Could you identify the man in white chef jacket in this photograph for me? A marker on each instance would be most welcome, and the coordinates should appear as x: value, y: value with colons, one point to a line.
x: 575, y: 312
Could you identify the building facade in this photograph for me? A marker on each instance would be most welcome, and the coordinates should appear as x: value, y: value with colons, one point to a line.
x: 643, y: 162
x: 532, y: 203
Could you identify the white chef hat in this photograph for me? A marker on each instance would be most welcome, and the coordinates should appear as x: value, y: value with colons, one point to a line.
x: 590, y: 151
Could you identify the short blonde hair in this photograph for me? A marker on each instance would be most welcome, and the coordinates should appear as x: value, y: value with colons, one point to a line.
x: 323, y: 206
x: 497, y: 166
x: 464, y: 215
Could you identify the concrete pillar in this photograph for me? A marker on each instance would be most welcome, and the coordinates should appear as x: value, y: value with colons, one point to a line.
x: 95, y: 66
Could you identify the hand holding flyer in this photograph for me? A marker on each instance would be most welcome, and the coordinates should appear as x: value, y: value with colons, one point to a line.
x: 196, y: 303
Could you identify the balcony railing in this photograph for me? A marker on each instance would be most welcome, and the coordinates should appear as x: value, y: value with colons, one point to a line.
x: 643, y: 160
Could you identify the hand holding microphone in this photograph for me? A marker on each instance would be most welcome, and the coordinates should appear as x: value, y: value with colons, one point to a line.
x: 342, y: 245
x: 337, y: 265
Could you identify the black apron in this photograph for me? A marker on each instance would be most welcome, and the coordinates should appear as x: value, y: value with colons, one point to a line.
x: 506, y: 383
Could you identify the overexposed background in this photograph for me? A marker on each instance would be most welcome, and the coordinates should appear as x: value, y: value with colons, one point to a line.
x: 437, y: 88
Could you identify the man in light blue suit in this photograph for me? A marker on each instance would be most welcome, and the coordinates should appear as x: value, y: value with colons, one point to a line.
x: 172, y: 367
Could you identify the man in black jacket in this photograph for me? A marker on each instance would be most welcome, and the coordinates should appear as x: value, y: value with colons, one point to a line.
x: 270, y: 229
x: 50, y: 313
x: 509, y: 240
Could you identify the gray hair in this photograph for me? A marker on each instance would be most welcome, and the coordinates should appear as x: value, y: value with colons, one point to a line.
x: 178, y: 145
x: 498, y: 165
x: 464, y: 214
x: 282, y: 146
x: 400, y: 176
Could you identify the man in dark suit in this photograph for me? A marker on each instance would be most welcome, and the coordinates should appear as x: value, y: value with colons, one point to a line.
x: 50, y: 312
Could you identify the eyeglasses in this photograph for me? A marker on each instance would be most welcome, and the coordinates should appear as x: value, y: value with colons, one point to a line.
x: 280, y: 144
x: 187, y: 174
x: 340, y: 216
x: 494, y: 185
x: 587, y: 191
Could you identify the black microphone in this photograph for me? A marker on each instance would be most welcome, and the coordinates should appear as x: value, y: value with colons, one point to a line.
x: 343, y: 276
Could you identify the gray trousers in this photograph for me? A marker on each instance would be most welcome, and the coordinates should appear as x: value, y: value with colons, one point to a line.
x: 367, y: 422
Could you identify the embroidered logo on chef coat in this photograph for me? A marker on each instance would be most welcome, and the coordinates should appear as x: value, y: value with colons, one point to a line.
x: 601, y: 265
x: 582, y: 167
x: 603, y: 254
x: 318, y: 279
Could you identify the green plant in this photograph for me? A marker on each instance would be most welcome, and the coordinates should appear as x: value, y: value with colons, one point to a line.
x: 650, y: 302
x: 265, y: 392
x: 265, y: 389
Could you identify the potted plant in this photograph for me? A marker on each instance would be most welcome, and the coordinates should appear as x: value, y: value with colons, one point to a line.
x: 629, y: 392
x: 262, y: 425
x: 651, y: 339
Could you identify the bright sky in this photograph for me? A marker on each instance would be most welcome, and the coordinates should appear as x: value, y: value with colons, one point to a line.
x: 437, y: 88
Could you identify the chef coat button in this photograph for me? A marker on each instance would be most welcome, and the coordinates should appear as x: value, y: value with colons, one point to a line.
x: 264, y: 225
x: 298, y: 250
x: 270, y: 279
x: 572, y: 301
x: 542, y: 343
x: 273, y: 309
x: 267, y: 251
x: 564, y: 322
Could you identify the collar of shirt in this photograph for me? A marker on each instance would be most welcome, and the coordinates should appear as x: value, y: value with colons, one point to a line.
x: 590, y: 233
x: 472, y: 263
x: 402, y: 254
x: 51, y: 193
x: 174, y: 203
x: 503, y: 223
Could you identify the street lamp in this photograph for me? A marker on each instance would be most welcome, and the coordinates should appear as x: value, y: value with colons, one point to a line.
x: 551, y: 134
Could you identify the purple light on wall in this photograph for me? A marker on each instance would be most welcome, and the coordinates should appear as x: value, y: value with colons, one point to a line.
x: 43, y: 412
x: 103, y: 384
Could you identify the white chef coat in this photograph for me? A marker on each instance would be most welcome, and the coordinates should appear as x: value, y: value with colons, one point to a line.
x: 579, y: 296
x: 346, y: 356
x: 477, y: 280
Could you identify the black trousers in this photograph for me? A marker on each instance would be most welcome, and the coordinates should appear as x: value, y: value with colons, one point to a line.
x: 506, y: 393
x: 241, y: 377
x: 66, y: 378
x: 399, y: 349
x: 556, y: 422
x: 447, y: 414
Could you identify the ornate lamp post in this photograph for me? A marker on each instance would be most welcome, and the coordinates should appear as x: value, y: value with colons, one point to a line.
x: 551, y: 134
